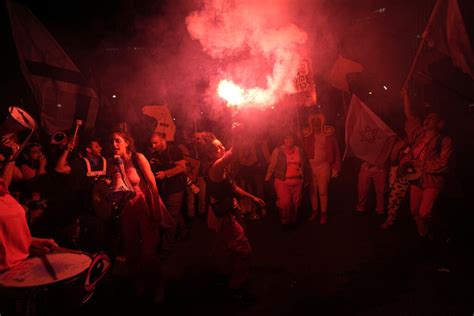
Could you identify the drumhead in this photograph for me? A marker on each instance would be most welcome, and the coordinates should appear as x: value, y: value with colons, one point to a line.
x: 32, y: 272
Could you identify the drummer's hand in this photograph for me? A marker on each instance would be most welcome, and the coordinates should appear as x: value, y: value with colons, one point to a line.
x: 42, y: 245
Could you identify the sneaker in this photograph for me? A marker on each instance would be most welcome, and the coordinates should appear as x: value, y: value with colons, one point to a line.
x: 324, y: 219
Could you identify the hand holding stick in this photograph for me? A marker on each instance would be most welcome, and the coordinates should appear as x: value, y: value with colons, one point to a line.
x: 78, y: 123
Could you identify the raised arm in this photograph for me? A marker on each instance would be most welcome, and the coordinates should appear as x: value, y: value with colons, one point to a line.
x: 217, y: 170
x: 409, y: 115
x: 62, y: 166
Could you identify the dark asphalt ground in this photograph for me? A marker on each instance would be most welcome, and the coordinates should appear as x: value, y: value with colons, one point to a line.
x: 347, y: 267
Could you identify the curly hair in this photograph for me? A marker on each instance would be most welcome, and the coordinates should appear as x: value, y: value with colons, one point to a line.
x: 204, y: 145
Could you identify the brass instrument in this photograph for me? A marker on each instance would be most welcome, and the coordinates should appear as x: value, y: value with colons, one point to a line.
x: 410, y: 170
x: 325, y: 129
x: 60, y: 138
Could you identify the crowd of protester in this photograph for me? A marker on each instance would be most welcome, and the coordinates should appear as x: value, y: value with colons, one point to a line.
x: 101, y: 194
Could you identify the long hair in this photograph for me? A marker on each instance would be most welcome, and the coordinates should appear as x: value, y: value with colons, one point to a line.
x: 204, y: 145
x: 125, y: 135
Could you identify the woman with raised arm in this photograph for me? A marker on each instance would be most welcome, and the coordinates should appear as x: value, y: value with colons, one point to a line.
x: 222, y: 191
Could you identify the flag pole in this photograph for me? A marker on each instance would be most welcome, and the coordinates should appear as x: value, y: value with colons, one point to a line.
x: 434, y: 13
x: 415, y: 61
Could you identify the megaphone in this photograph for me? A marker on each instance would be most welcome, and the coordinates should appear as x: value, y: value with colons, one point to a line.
x: 16, y: 121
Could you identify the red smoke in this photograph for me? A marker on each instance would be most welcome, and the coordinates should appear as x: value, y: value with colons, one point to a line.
x: 257, y: 44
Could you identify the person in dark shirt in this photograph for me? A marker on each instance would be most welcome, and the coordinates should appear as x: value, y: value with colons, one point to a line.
x: 85, y: 173
x: 169, y: 167
x: 234, y: 250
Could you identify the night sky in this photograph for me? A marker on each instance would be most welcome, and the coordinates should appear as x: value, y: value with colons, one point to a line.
x: 99, y: 36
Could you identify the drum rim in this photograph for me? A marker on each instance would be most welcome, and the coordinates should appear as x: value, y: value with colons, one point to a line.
x: 53, y: 282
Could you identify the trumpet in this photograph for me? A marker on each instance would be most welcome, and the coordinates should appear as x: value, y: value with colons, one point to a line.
x: 60, y: 138
x: 411, y: 170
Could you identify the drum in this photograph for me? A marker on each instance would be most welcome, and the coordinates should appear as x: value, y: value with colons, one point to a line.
x: 60, y: 281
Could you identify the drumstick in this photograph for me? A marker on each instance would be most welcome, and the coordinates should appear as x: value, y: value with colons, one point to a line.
x: 65, y: 250
x: 49, y: 267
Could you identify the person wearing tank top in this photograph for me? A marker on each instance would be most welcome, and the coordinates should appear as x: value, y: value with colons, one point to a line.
x: 234, y: 249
